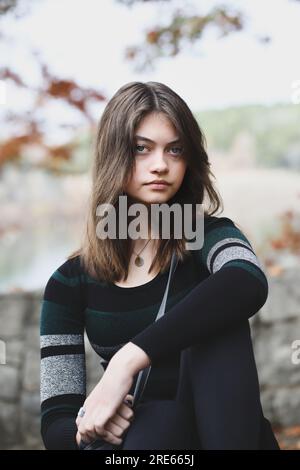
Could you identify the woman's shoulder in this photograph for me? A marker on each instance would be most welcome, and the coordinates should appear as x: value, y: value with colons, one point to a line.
x: 220, y: 233
x: 223, y: 230
x: 72, y: 265
x: 212, y: 222
x: 68, y: 273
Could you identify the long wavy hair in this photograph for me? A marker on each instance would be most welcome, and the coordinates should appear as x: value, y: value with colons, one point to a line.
x: 113, y: 164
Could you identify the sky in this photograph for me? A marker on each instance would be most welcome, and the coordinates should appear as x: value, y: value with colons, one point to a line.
x: 86, y: 40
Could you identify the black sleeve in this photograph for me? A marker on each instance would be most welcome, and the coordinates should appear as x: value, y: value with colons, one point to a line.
x: 60, y: 434
x: 62, y: 365
x: 234, y: 291
x: 230, y: 296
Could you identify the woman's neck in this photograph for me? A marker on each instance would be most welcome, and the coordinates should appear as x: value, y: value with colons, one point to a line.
x: 148, y: 243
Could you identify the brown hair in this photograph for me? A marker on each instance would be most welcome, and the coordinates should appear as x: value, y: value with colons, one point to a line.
x: 113, y: 163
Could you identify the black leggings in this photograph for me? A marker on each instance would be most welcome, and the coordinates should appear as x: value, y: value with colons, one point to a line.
x: 217, y: 404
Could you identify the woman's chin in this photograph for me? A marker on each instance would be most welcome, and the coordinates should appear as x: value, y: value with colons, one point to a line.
x: 156, y: 200
x: 152, y: 197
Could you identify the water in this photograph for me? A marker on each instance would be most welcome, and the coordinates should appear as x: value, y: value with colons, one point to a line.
x: 28, y: 261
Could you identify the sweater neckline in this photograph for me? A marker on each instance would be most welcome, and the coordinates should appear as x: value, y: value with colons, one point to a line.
x: 140, y: 287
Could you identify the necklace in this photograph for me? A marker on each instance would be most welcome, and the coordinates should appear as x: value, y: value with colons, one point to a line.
x: 139, y: 261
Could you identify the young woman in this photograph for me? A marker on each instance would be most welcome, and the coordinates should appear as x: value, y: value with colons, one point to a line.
x: 200, y: 350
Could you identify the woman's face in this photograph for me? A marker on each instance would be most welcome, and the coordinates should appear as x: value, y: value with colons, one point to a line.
x: 159, y: 158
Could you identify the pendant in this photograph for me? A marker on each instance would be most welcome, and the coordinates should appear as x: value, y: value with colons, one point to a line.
x: 139, y: 261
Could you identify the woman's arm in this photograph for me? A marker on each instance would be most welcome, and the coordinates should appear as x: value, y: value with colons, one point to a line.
x: 61, y: 434
x: 233, y: 292
x: 63, y: 374
x: 106, y: 414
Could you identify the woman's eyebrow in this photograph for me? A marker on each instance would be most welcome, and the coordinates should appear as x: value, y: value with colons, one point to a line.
x: 140, y: 137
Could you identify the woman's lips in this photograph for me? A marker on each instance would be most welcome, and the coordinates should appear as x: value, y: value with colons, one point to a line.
x: 158, y: 185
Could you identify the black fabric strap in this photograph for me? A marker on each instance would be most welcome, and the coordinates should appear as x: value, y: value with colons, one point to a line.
x: 144, y: 373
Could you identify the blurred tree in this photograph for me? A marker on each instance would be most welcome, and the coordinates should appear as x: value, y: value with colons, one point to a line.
x: 51, y: 88
x: 182, y: 29
x: 6, y: 5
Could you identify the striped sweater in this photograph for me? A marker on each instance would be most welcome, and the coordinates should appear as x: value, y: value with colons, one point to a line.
x: 220, y: 285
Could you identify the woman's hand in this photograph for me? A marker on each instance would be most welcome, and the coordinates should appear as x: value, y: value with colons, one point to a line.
x: 106, y: 415
x: 117, y: 424
x: 103, y: 418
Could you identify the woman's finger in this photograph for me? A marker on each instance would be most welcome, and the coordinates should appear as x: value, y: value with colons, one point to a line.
x: 117, y: 426
x: 128, y: 399
x: 85, y: 438
x: 125, y: 412
x: 78, y: 419
x: 119, y: 420
x: 111, y: 438
x: 87, y: 431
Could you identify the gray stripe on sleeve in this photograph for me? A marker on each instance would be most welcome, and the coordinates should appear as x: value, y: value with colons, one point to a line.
x: 223, y: 242
x: 59, y: 340
x: 234, y: 253
x: 62, y: 375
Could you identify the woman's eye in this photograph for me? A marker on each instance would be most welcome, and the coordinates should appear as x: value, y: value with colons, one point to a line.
x: 178, y: 148
x: 137, y: 147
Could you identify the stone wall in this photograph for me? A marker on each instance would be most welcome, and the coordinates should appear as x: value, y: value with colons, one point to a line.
x: 273, y: 331
x: 20, y: 375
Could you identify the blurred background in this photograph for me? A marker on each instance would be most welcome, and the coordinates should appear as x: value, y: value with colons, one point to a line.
x: 235, y: 65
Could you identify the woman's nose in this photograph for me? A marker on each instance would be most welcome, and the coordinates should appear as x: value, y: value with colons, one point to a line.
x: 159, y: 161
